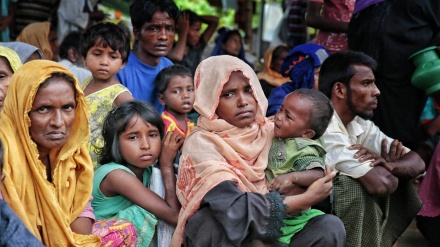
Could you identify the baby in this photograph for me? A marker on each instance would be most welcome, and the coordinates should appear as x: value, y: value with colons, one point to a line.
x: 296, y: 158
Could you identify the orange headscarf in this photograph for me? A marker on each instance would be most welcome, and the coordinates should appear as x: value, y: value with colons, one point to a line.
x: 217, y: 151
x: 37, y: 34
x: 46, y: 208
x: 271, y: 76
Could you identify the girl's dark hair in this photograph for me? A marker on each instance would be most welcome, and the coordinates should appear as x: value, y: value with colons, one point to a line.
x: 116, y: 122
x: 142, y: 11
x: 277, y: 53
x: 109, y: 34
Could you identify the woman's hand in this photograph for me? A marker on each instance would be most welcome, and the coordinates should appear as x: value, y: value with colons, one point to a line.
x: 323, y: 187
x: 316, y: 192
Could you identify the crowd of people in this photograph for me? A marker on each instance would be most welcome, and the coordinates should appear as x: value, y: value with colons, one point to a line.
x: 108, y: 142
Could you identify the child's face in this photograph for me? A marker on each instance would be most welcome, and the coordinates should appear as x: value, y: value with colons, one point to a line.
x: 292, y: 120
x: 140, y: 144
x: 193, y: 36
x: 179, y: 95
x: 233, y: 45
x: 237, y: 104
x: 156, y: 37
x: 103, y: 62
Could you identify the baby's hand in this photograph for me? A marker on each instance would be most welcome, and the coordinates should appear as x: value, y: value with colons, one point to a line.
x: 283, y: 183
x: 170, y: 145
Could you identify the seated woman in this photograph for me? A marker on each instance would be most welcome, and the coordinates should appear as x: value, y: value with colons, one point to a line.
x: 48, y: 171
x: 230, y: 42
x: 221, y: 183
x: 9, y: 63
x: 302, y: 66
x: 271, y: 76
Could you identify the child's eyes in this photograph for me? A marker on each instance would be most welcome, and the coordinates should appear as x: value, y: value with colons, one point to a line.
x: 132, y: 137
x: 191, y: 89
x: 175, y: 91
x: 154, y: 135
x: 248, y: 90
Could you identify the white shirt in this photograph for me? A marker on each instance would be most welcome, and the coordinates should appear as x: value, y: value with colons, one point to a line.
x: 337, y: 138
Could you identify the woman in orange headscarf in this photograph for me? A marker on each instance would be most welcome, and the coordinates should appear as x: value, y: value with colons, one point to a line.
x: 42, y: 35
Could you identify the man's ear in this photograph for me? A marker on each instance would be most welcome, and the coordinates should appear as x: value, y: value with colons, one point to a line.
x: 339, y: 90
x: 72, y: 55
x: 309, y: 133
x: 136, y: 33
x: 162, y: 99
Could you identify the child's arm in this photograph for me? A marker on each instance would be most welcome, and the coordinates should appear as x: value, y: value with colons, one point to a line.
x: 212, y: 22
x: 123, y: 97
x: 171, y: 143
x: 178, y: 51
x: 289, y: 181
x: 121, y: 182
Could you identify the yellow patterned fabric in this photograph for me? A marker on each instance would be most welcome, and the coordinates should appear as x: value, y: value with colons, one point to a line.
x: 46, y: 208
x: 100, y: 103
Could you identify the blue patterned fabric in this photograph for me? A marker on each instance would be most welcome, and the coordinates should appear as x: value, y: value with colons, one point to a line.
x: 299, y: 65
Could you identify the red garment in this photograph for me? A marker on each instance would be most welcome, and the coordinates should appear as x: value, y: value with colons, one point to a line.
x: 339, y: 10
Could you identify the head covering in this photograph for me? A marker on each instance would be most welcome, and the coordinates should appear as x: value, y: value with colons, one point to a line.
x: 217, y: 151
x: 11, y: 56
x: 363, y: 4
x: 24, y: 50
x: 37, y: 34
x: 299, y: 65
x: 47, y: 206
x: 272, y: 77
x: 218, y: 48
x: 14, y: 61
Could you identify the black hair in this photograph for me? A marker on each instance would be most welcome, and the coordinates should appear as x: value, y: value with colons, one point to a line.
x: 142, y: 11
x: 109, y: 34
x: 277, y: 53
x: 164, y: 77
x: 70, y: 41
x: 230, y: 33
x: 321, y: 112
x: 116, y: 122
x: 193, y: 17
x: 338, y: 67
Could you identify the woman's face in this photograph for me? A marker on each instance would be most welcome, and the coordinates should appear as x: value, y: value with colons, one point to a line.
x: 237, y: 104
x: 278, y: 61
x: 233, y: 45
x: 52, y: 115
x: 5, y: 77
